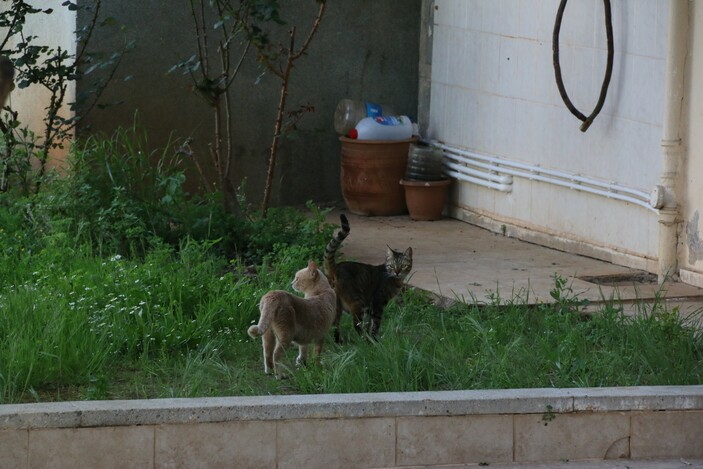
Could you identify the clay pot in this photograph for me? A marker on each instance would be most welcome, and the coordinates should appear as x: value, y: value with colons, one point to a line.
x: 369, y: 174
x: 425, y: 199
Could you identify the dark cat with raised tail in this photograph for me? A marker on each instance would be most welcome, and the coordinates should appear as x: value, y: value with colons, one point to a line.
x: 364, y: 290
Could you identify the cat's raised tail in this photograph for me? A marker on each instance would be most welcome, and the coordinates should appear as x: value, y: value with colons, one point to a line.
x: 333, y: 245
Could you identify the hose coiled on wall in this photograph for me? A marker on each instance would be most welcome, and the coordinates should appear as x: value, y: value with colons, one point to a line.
x: 586, y: 120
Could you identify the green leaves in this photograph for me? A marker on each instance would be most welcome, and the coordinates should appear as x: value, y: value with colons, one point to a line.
x: 70, y: 5
x: 41, y: 64
x: 264, y: 11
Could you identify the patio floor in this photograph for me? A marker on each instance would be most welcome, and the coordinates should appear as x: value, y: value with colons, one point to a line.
x: 459, y: 261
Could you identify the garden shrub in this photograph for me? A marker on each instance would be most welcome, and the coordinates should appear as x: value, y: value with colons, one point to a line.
x: 118, y: 196
x: 121, y: 198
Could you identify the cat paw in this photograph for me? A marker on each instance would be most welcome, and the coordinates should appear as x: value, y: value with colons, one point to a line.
x: 282, y: 371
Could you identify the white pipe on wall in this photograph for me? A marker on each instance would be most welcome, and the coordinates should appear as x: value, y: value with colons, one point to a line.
x: 550, y: 176
x: 501, y: 178
x: 672, y: 143
x: 492, y: 168
x: 480, y: 182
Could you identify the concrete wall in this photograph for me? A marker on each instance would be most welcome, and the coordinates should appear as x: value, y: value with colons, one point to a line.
x: 492, y: 91
x: 691, y: 238
x: 363, y: 50
x: 422, y: 429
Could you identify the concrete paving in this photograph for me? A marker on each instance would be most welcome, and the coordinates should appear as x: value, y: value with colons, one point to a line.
x: 459, y: 261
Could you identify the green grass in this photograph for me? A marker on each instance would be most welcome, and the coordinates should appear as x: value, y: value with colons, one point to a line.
x: 77, y: 324
x: 515, y: 346
x: 173, y: 324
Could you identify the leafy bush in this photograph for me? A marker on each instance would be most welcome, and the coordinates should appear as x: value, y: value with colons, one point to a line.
x: 286, y: 230
x: 48, y: 71
x: 119, y: 197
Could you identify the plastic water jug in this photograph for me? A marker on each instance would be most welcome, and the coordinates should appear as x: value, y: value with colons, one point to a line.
x: 350, y: 112
x: 383, y: 128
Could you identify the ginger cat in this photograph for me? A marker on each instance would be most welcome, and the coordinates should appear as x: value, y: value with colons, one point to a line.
x: 287, y: 318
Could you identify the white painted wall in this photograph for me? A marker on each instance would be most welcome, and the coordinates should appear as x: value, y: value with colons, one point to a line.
x: 493, y: 91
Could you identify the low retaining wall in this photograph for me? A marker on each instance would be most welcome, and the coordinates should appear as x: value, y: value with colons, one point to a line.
x: 358, y: 430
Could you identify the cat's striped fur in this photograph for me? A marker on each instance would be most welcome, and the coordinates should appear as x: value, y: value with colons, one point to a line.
x: 364, y: 290
x: 333, y: 246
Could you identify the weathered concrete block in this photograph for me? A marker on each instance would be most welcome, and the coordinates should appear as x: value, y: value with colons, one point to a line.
x: 14, y: 448
x: 667, y: 435
x: 97, y: 448
x: 454, y: 440
x: 227, y: 444
x: 343, y: 443
x: 553, y: 437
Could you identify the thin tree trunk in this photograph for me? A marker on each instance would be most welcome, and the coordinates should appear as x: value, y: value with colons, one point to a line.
x: 293, y: 55
x: 277, y: 130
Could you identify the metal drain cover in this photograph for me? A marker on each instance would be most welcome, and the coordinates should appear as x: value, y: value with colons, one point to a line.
x: 627, y: 278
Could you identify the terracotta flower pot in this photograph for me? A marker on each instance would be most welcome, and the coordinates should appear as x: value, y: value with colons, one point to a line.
x: 425, y: 199
x: 369, y: 174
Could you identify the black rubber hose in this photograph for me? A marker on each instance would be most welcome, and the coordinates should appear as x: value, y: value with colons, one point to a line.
x: 586, y: 120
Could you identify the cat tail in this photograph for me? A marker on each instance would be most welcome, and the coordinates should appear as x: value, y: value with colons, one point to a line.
x: 333, y: 245
x: 257, y: 330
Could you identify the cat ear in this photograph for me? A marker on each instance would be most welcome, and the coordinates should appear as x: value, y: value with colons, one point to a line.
x: 409, y: 252
x: 312, y: 266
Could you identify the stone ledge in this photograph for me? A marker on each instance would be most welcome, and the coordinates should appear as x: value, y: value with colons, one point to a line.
x: 422, y: 429
x: 367, y: 405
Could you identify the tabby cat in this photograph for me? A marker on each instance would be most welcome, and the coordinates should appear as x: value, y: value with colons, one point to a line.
x: 364, y: 290
x: 287, y: 318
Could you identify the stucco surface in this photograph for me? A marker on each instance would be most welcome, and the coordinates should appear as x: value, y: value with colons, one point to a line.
x: 364, y: 50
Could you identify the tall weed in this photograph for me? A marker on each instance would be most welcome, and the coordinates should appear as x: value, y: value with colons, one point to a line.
x: 118, y: 195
